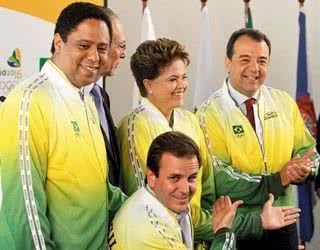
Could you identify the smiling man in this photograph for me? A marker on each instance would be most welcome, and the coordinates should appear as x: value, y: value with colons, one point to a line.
x: 118, y: 48
x: 259, y: 131
x: 55, y: 190
x: 158, y: 216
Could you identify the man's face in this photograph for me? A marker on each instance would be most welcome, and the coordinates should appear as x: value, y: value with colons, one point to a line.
x: 83, y: 54
x: 117, y: 50
x: 248, y: 66
x: 176, y: 183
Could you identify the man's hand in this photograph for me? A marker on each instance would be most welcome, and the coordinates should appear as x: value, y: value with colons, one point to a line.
x: 223, y: 212
x: 297, y: 169
x: 277, y: 217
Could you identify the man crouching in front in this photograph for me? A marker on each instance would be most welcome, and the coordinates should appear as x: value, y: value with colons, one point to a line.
x: 158, y: 215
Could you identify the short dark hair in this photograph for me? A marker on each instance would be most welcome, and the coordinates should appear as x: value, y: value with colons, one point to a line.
x: 254, y: 34
x: 75, y: 13
x: 152, y: 56
x: 175, y: 143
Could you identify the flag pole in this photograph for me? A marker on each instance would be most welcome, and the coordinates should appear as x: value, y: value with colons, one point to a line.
x: 246, y: 11
x: 203, y: 3
x: 301, y: 3
x: 147, y: 33
x: 204, y: 68
x: 306, y: 107
x: 144, y: 5
x: 247, y: 14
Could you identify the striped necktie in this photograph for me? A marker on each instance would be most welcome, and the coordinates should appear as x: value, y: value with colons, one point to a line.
x: 95, y: 92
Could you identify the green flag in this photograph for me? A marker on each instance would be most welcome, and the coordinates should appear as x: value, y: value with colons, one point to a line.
x: 249, y: 23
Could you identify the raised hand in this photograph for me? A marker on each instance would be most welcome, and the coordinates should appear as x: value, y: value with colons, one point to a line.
x: 223, y: 212
x: 277, y: 217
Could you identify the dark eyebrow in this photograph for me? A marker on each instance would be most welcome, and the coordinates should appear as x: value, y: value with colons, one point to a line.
x: 172, y: 76
x: 263, y: 57
x: 88, y: 41
x: 194, y: 174
x: 175, y: 175
x: 244, y: 56
x: 84, y: 40
x: 103, y: 44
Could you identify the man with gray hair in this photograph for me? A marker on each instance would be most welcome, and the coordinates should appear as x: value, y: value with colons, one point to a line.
x: 116, y: 54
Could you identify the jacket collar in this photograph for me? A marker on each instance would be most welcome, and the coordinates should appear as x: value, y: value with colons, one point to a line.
x: 60, y: 81
x: 154, y: 112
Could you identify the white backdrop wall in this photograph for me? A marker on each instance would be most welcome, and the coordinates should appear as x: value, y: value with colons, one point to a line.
x: 179, y: 19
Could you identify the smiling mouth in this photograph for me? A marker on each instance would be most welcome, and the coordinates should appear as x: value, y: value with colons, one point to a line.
x: 184, y: 198
x: 251, y: 78
x: 179, y: 92
x: 90, y: 68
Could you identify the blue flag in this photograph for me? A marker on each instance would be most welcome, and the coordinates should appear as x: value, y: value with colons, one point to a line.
x: 307, y: 111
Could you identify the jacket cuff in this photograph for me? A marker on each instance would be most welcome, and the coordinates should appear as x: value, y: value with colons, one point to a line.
x: 274, y: 185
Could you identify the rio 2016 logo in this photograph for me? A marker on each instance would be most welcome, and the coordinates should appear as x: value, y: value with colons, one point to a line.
x: 15, y: 59
x: 10, y: 76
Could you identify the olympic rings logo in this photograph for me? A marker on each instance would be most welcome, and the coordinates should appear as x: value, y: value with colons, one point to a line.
x: 7, y: 85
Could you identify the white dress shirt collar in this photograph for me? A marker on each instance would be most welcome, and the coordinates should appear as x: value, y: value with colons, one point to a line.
x: 237, y: 96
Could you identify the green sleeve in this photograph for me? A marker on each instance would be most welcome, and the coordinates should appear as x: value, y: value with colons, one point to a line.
x: 115, y: 200
x: 223, y: 239
x: 134, y: 139
x: 303, y: 140
x: 248, y: 223
x: 208, y: 192
x: 202, y: 223
x: 26, y: 171
x: 252, y: 189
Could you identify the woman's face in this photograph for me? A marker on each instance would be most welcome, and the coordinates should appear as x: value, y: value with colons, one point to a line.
x: 166, y: 91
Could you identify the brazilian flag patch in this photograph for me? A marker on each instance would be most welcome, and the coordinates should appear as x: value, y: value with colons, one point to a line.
x: 238, y: 130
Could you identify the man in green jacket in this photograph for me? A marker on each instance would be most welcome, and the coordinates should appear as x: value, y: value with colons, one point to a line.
x: 54, y: 171
x: 159, y: 216
x: 259, y: 131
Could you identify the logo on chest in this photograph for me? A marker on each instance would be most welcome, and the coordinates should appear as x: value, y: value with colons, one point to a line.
x: 75, y: 127
x: 238, y: 130
x: 270, y: 115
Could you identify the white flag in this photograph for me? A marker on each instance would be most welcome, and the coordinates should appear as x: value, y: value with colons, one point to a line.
x: 204, y: 85
x: 147, y: 30
x: 147, y: 33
